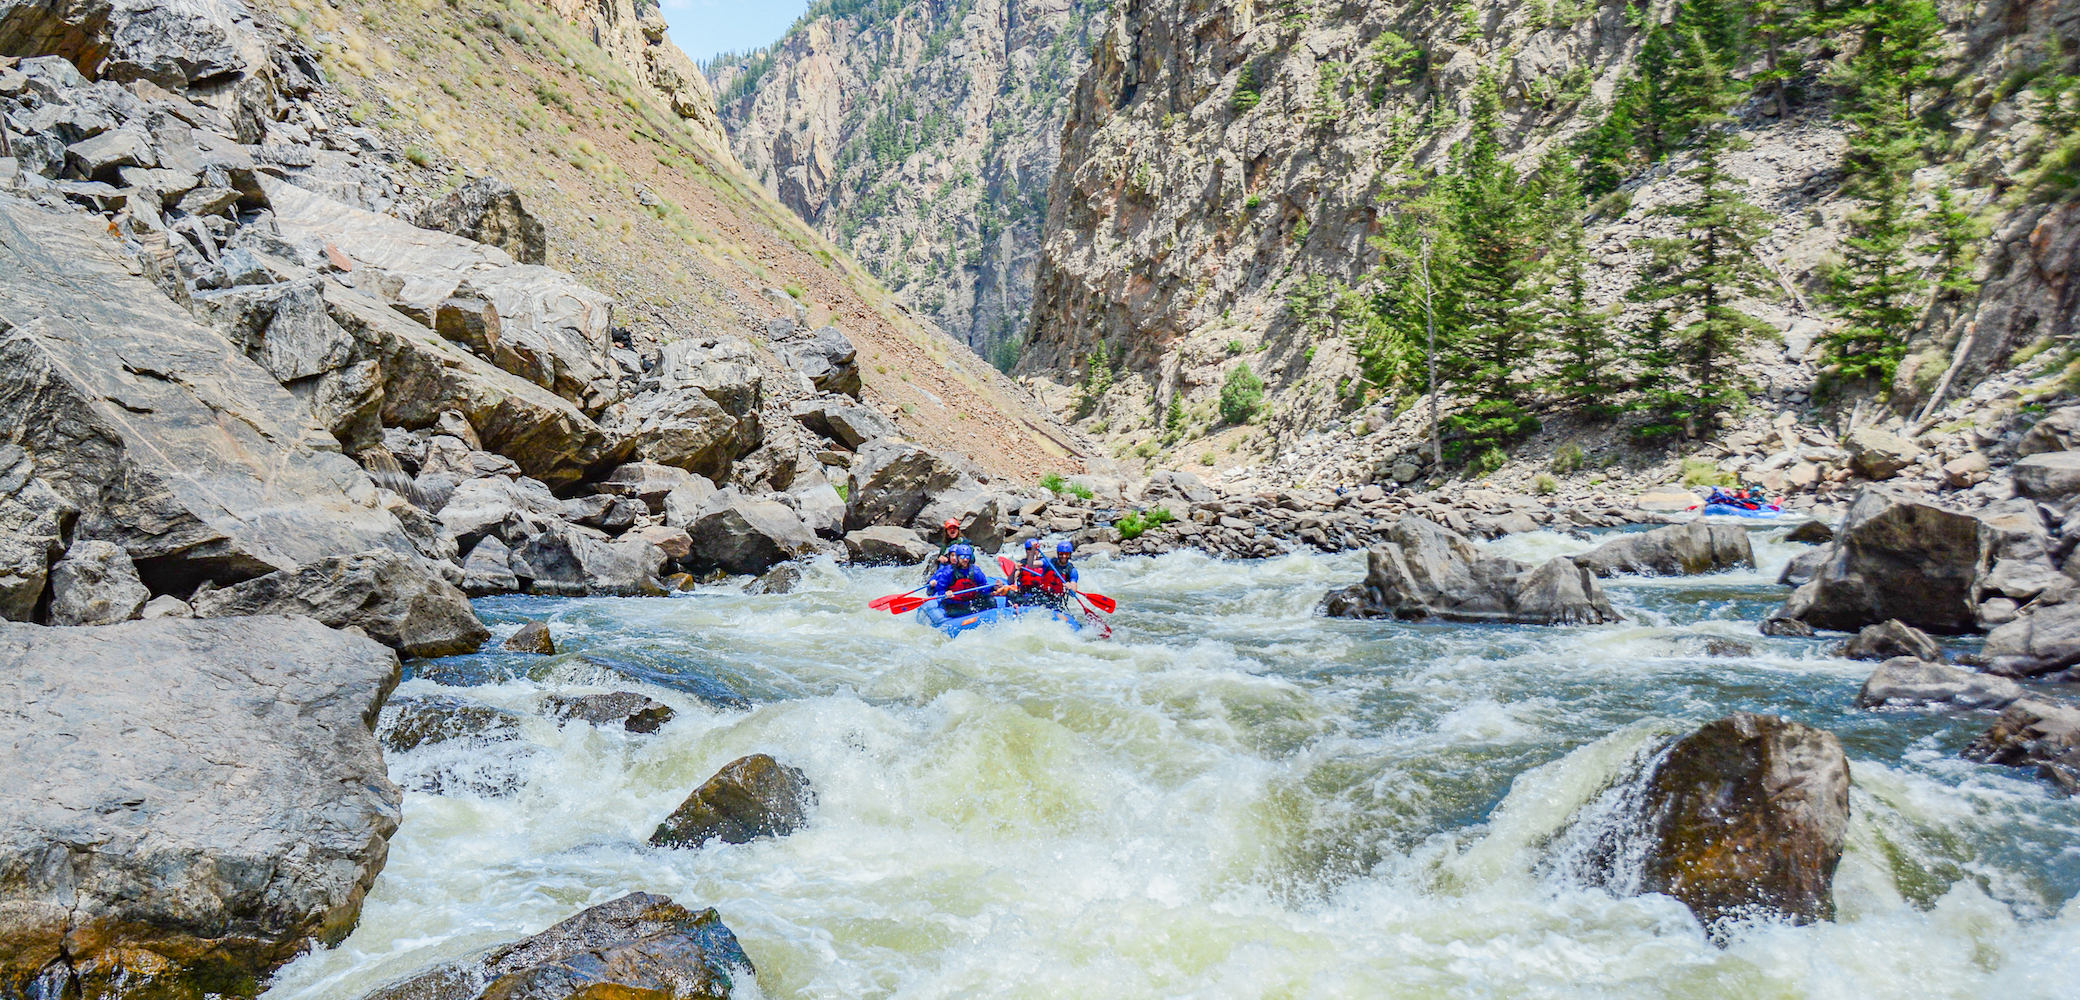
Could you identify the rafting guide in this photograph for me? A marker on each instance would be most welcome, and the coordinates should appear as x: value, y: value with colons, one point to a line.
x: 958, y: 594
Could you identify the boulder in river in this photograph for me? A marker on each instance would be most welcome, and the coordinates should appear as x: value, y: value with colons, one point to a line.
x: 187, y: 828
x: 627, y: 710
x: 1911, y: 682
x: 1751, y: 812
x: 1675, y: 550
x: 744, y: 534
x: 409, y: 722
x: 533, y: 637
x: 1424, y: 570
x: 398, y: 600
x: 1897, y: 557
x: 2035, y: 732
x: 1892, y: 638
x: 639, y: 947
x: 95, y: 584
x: 750, y: 797
x: 567, y: 562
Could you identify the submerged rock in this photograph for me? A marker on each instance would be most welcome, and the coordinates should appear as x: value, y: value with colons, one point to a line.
x: 412, y: 721
x: 1752, y: 811
x: 750, y: 797
x: 398, y: 600
x: 780, y: 579
x: 187, y: 828
x: 2041, y: 642
x: 602, y: 669
x: 2035, y: 733
x: 1892, y: 638
x: 634, y: 712
x: 1428, y: 571
x: 639, y: 947
x: 1675, y: 550
x: 1895, y: 557
x: 1911, y: 682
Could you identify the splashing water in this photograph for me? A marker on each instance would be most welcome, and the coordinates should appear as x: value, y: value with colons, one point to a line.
x: 1233, y: 799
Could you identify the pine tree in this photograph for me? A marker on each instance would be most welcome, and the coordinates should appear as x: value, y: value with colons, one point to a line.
x: 1585, y: 377
x: 1605, y: 151
x: 1657, y: 389
x: 1490, y: 274
x: 1699, y: 274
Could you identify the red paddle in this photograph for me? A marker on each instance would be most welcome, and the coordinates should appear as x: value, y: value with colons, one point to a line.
x: 905, y: 605
x: 882, y: 602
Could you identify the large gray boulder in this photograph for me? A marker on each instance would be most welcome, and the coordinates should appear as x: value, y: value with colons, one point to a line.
x: 817, y: 502
x: 743, y: 534
x: 1749, y: 813
x: 1424, y: 570
x: 187, y: 828
x: 568, y: 562
x: 1910, y: 682
x: 2045, y: 640
x: 400, y: 601
x: 1879, y: 454
x: 511, y: 510
x: 892, y: 481
x: 648, y: 482
x: 166, y: 440
x: 1897, y: 557
x: 2051, y: 475
x: 847, y: 422
x: 1675, y: 550
x: 887, y: 544
x: 1889, y: 639
x: 638, y: 947
x: 827, y: 358
x: 684, y: 428
x: 489, y: 211
x: 96, y: 584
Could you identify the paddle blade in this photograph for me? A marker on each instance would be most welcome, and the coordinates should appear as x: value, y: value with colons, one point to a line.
x: 888, y: 599
x: 1010, y: 568
x: 905, y: 605
x: 1102, y: 603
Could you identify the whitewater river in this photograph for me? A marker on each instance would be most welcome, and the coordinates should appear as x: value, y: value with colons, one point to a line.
x: 1232, y: 799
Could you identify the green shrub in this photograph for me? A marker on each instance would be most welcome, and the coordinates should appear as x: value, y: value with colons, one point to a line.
x: 1079, y: 491
x: 1488, y: 461
x: 844, y: 489
x: 1705, y: 472
x: 1250, y: 203
x: 1242, y: 395
x: 1568, y: 459
x: 1208, y: 459
x: 418, y: 156
x: 1234, y: 347
x: 1482, y: 431
x: 1544, y: 485
x: 1052, y: 483
x: 1135, y: 524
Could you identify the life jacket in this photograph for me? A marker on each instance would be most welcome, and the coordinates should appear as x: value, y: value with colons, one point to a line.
x: 965, y: 588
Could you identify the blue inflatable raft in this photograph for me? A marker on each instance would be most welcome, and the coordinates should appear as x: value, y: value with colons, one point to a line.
x: 1728, y: 510
x: 929, y: 613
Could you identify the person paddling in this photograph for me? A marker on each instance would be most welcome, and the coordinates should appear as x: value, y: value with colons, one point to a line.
x: 961, y: 586
x: 950, y: 537
x: 1050, y: 581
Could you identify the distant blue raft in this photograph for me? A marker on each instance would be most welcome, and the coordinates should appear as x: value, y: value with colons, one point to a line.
x: 929, y: 613
x: 1728, y: 510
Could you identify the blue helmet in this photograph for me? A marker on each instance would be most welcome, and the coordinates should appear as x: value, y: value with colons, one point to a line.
x: 1063, y: 548
x: 963, y: 551
x: 1032, y: 543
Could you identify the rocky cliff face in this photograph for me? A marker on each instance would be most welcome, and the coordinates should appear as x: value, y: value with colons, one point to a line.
x: 1221, y: 154
x: 921, y: 136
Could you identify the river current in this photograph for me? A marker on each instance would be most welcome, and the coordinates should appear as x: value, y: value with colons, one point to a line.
x: 1233, y: 798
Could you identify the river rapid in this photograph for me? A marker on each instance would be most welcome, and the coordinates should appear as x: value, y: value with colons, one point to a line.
x: 1233, y: 798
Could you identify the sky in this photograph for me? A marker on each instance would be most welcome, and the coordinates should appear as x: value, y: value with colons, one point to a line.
x: 705, y: 28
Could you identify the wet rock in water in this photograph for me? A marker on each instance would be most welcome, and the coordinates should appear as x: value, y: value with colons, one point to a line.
x: 2035, y: 733
x: 751, y: 797
x: 1720, y: 646
x: 780, y: 579
x: 95, y: 584
x: 1803, y: 567
x: 628, y: 710
x: 1811, y: 533
x: 1786, y: 628
x: 2041, y: 642
x: 398, y: 600
x: 1896, y: 557
x: 187, y: 828
x: 1892, y: 638
x: 533, y: 637
x: 885, y: 544
x: 565, y: 562
x: 1908, y: 681
x: 488, y: 570
x: 1678, y: 549
x: 639, y: 947
x: 602, y: 669
x: 1428, y: 571
x: 412, y: 721
x: 1752, y: 811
